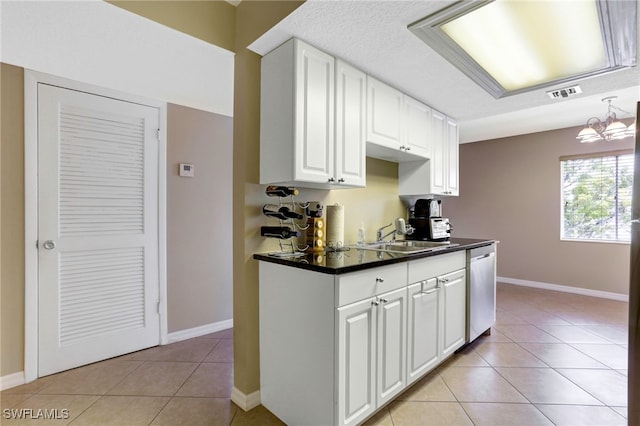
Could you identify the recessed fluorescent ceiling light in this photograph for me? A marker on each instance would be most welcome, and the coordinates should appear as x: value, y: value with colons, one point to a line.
x: 511, y: 46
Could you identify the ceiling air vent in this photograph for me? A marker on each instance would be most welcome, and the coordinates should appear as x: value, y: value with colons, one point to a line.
x: 564, y: 93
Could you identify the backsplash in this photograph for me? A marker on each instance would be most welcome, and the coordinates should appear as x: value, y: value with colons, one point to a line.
x: 376, y: 205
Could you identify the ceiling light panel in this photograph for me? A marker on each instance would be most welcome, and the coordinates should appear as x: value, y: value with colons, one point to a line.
x: 522, y: 44
x: 510, y: 46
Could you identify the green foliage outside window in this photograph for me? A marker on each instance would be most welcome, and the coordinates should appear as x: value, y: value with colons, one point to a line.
x: 596, y: 198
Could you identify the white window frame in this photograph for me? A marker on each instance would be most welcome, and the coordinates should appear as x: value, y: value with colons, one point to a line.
x: 584, y: 157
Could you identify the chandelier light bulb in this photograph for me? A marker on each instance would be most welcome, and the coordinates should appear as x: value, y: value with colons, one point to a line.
x: 609, y: 129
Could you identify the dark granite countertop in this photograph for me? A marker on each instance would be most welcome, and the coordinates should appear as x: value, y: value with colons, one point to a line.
x: 355, y: 259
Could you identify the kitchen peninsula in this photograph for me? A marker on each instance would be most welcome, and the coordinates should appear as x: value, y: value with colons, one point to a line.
x: 343, y: 333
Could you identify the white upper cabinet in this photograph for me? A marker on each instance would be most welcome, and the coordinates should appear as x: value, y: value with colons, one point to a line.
x: 439, y: 175
x: 417, y: 127
x: 320, y: 118
x: 351, y: 117
x: 384, y: 110
x: 438, y: 164
x: 297, y: 121
x: 453, y: 146
x: 394, y: 124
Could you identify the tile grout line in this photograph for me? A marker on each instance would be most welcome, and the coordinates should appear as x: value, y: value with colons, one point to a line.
x: 579, y: 326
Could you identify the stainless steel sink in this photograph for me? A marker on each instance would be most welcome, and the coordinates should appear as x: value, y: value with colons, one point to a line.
x: 409, y: 246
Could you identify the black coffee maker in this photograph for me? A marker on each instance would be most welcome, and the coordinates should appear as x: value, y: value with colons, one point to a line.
x: 427, y: 221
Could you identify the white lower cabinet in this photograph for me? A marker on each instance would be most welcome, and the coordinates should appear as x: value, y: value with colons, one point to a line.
x: 423, y: 327
x: 437, y: 311
x: 336, y: 348
x: 356, y: 361
x: 392, y: 336
x: 454, y: 294
x: 371, y: 350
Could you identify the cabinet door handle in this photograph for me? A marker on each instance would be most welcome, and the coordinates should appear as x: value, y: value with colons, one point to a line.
x: 383, y: 300
x: 407, y: 148
x: 341, y: 180
x: 331, y: 180
x: 433, y: 290
x: 375, y: 302
x: 379, y: 280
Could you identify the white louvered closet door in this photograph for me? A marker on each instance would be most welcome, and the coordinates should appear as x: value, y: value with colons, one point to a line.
x: 97, y: 228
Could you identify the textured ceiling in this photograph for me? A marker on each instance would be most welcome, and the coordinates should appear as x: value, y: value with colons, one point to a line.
x: 373, y: 36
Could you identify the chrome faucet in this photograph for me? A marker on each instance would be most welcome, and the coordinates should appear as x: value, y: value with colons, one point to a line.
x: 381, y: 236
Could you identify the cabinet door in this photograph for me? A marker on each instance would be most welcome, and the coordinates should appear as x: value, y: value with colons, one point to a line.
x: 392, y: 318
x: 383, y: 114
x: 314, y: 109
x: 452, y: 157
x: 356, y: 361
x: 417, y: 127
x: 438, y: 162
x: 454, y: 307
x: 423, y: 326
x: 351, y: 111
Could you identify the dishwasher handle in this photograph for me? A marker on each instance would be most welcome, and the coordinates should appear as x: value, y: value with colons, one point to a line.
x: 483, y: 256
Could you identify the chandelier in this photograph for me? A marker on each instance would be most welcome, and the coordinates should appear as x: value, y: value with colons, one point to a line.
x: 608, y: 129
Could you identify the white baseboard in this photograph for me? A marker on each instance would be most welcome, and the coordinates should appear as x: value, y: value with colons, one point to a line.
x: 190, y: 333
x: 12, y: 380
x: 246, y: 402
x: 565, y: 289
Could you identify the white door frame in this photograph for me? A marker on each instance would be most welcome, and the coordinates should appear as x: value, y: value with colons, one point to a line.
x: 31, y: 80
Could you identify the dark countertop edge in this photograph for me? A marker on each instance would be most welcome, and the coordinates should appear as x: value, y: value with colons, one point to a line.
x: 463, y: 244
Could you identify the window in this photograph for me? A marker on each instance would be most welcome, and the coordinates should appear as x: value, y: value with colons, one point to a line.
x: 596, y: 196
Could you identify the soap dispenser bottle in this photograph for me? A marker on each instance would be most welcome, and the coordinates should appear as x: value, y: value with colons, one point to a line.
x: 361, y: 237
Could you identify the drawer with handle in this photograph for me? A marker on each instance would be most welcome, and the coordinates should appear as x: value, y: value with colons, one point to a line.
x: 421, y: 269
x: 359, y: 285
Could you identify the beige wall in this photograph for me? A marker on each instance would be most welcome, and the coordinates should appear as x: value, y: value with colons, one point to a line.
x: 211, y: 21
x: 199, y: 212
x: 510, y: 191
x: 12, y: 220
x: 253, y: 18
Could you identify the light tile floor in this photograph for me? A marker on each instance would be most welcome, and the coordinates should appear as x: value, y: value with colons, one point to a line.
x: 551, y: 359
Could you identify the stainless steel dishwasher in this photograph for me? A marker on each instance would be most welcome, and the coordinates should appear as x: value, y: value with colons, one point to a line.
x: 481, y: 281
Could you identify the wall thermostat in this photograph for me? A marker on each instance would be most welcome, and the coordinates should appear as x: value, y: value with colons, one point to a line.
x: 186, y: 170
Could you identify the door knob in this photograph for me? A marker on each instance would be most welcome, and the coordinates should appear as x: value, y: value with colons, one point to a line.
x: 49, y: 245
